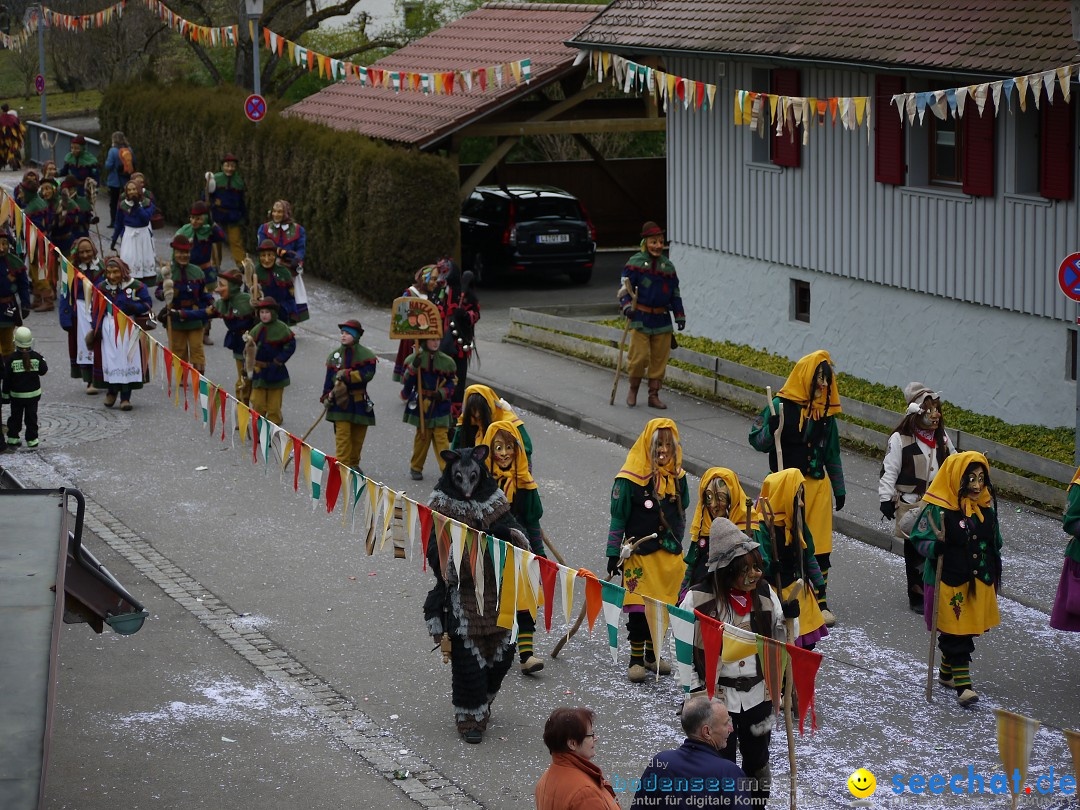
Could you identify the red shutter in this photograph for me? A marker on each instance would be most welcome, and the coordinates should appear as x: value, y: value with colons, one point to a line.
x: 786, y: 148
x: 889, y: 163
x: 1056, y: 149
x: 977, y: 149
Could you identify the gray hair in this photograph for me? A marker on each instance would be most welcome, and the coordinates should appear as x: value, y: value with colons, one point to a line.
x: 697, y: 712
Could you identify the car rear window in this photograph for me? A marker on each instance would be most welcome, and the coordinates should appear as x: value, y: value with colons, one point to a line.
x: 548, y: 208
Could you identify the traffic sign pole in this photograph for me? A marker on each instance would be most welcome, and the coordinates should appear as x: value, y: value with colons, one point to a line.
x: 255, y: 55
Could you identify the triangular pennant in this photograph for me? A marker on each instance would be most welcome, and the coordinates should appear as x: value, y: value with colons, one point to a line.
x: 712, y: 642
x: 511, y: 571
x: 1015, y: 736
x: 593, y: 596
x: 682, y: 627
x: 656, y: 617
x: 566, y: 591
x: 774, y: 660
x: 612, y: 596
x: 478, y: 553
x: 549, y: 573
x: 804, y: 667
x: 333, y: 483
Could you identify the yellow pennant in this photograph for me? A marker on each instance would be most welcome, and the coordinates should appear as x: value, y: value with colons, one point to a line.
x: 860, y: 109
x: 508, y: 594
x: 243, y: 417
x: 178, y: 374
x: 773, y: 101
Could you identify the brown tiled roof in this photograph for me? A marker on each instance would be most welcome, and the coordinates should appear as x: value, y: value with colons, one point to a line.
x: 494, y: 34
x: 1009, y: 37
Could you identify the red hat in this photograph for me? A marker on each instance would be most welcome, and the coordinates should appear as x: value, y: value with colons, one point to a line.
x: 230, y: 158
x: 199, y: 208
x: 650, y: 228
x: 266, y: 303
x: 267, y: 244
x: 234, y: 276
x: 78, y: 139
x: 180, y: 242
x: 71, y: 181
x: 353, y: 324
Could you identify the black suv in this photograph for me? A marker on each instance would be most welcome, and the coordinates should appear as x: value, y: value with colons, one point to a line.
x: 526, y: 229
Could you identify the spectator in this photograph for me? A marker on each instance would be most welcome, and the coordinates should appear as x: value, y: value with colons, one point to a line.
x: 119, y: 165
x: 572, y: 782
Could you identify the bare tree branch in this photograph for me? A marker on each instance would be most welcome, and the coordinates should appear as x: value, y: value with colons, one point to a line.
x: 313, y: 21
x: 211, y: 68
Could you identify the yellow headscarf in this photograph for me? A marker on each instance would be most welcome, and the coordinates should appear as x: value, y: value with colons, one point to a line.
x: 736, y: 507
x: 800, y: 384
x: 780, y: 488
x: 1075, y: 478
x: 518, y: 476
x: 500, y: 411
x: 944, y: 490
x: 638, y: 466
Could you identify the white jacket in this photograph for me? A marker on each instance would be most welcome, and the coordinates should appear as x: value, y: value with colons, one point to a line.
x: 894, y: 459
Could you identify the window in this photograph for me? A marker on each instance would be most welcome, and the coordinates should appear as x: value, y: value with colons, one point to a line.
x: 1027, y: 129
x: 1070, y: 355
x: 761, y: 148
x: 800, y: 300
x: 945, y: 149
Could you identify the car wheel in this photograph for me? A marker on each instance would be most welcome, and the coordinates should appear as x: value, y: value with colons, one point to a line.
x: 581, y: 276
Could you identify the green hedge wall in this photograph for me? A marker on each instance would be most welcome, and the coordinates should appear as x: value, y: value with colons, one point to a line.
x: 374, y: 213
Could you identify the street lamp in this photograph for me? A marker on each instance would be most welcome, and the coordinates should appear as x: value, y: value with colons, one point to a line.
x: 253, y: 10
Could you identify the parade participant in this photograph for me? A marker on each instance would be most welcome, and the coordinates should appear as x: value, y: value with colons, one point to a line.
x: 804, y: 427
x: 229, y: 205
x: 275, y: 280
x: 460, y: 310
x: 45, y: 212
x: 27, y: 188
x: 734, y: 592
x: 203, y: 236
x: 80, y: 164
x: 507, y: 462
x: 291, y: 241
x: 427, y: 286
x: 480, y: 651
x: 1065, y: 614
x: 917, y: 449
x: 22, y: 388
x: 274, y: 345
x: 14, y: 293
x: 349, y: 369
x: 649, y: 296
x: 437, y: 376
x: 74, y: 218
x: 787, y: 551
x: 720, y: 495
x: 650, y: 496
x: 572, y: 782
x: 119, y: 165
x: 48, y: 169
x: 482, y: 407
x: 695, y: 774
x: 189, y: 295
x: 119, y: 365
x: 74, y: 311
x: 12, y: 132
x: 959, y: 523
x: 135, y: 234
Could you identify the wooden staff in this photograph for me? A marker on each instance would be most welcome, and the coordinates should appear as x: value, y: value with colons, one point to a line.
x: 622, y: 341
x: 552, y: 549
x: 419, y: 387
x: 939, y: 532
x: 779, y: 428
x: 315, y: 424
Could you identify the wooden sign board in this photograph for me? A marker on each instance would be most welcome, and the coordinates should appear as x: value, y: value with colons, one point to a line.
x: 415, y: 319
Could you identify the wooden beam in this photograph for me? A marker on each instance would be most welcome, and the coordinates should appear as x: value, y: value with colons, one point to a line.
x: 567, y: 127
x: 629, y: 192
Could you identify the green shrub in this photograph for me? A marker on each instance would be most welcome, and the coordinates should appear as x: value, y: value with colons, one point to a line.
x: 374, y: 213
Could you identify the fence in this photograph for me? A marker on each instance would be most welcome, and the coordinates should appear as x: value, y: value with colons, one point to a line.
x: 44, y: 142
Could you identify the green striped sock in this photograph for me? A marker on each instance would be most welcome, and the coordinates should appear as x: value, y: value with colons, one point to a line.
x: 525, y: 645
x: 637, y: 652
x: 821, y: 596
x: 961, y: 677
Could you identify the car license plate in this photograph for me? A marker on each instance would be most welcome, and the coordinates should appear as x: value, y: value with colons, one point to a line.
x: 553, y: 238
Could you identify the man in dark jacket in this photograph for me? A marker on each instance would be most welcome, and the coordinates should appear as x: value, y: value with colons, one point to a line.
x: 695, y: 774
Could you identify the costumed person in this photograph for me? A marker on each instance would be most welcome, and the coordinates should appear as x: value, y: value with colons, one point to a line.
x: 959, y: 523
x: 460, y: 311
x: 274, y: 345
x: 27, y: 188
x: 787, y: 551
x: 203, y: 236
x: 12, y: 132
x: 917, y: 449
x: 80, y: 164
x: 290, y: 238
x: 135, y: 234
x: 185, y: 316
x: 275, y: 280
x: 228, y: 204
x: 349, y: 369
x: 482, y: 407
x: 119, y: 364
x: 435, y: 373
x: 650, y: 276
x: 650, y: 496
x: 428, y: 285
x: 22, y: 387
x: 1065, y: 614
x: 75, y: 216
x: 119, y: 165
x: 735, y: 592
x: 45, y: 212
x: 805, y: 430
x: 572, y: 781
x: 507, y: 462
x: 14, y: 293
x: 74, y: 311
x: 480, y: 650
x: 720, y: 495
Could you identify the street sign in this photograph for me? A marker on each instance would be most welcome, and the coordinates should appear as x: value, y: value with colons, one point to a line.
x: 255, y: 107
x: 39, y: 84
x: 1069, y: 276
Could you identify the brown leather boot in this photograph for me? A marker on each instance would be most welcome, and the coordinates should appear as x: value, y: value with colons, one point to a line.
x: 631, y: 395
x: 654, y: 395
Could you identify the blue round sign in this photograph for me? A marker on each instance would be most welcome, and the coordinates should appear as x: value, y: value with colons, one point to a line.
x: 1069, y: 276
x: 255, y: 107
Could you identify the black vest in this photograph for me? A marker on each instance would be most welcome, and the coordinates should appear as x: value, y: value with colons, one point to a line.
x: 970, y: 551
x: 645, y: 519
x: 804, y: 449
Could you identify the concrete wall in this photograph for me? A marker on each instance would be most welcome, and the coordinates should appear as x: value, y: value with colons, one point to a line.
x: 987, y: 360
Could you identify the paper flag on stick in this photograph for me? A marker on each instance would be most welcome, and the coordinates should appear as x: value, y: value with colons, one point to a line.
x: 1015, y: 735
x: 613, y: 596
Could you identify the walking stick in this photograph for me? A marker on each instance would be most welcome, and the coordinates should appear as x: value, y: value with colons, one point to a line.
x: 779, y: 428
x: 939, y: 532
x: 315, y: 424
x: 91, y: 192
x: 420, y: 390
x: 551, y: 548
x: 622, y: 341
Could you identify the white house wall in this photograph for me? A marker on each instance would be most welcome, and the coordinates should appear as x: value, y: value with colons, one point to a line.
x: 938, y: 257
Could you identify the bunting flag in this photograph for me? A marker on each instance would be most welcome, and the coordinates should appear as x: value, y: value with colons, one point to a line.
x: 712, y: 642
x: 480, y: 547
x: 426, y: 524
x: 774, y: 661
x: 612, y: 596
x: 207, y: 36
x: 750, y: 110
x: 333, y: 483
x: 511, y: 571
x: 804, y: 667
x: 549, y: 573
x: 566, y: 590
x: 656, y: 617
x: 593, y: 596
x: 83, y: 22
x: 665, y: 88
x: 1015, y: 736
x: 682, y: 627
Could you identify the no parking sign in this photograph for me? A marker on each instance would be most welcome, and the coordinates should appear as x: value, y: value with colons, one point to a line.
x: 255, y: 107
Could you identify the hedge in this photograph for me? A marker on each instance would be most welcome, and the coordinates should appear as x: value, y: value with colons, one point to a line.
x: 374, y: 213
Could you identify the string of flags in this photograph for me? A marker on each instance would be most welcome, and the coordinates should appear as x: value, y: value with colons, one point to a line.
x: 225, y: 36
x: 756, y: 110
x: 1015, y: 738
x: 664, y: 87
x: 83, y: 22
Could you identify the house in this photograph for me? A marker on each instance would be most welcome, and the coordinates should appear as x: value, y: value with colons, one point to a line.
x: 911, y: 252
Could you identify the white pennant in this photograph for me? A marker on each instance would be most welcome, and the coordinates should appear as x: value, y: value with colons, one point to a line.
x: 566, y: 578
x: 457, y: 542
